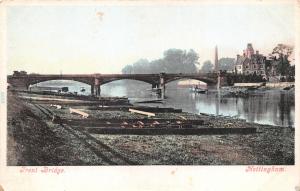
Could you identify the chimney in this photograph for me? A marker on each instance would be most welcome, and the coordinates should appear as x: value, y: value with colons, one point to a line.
x: 216, y: 60
x: 257, y: 52
x: 244, y: 53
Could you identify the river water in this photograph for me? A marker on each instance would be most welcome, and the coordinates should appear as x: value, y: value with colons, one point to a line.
x: 272, y: 107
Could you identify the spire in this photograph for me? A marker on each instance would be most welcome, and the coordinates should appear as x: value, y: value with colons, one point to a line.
x: 216, y: 60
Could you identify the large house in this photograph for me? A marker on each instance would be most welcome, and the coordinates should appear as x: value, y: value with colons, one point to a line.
x: 251, y: 63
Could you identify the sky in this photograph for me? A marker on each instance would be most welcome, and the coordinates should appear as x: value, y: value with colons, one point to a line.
x: 103, y: 39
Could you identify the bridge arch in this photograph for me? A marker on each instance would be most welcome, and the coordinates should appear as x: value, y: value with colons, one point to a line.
x: 60, y: 82
x: 119, y: 79
x: 40, y: 80
x: 56, y: 85
x: 206, y: 80
x: 126, y: 87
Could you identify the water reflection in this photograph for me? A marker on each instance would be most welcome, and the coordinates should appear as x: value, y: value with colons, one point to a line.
x: 273, y: 107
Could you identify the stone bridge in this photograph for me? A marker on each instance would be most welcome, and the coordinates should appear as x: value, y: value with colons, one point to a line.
x: 23, y: 81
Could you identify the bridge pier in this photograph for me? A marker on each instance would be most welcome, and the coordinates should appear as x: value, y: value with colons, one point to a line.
x: 92, y: 90
x: 160, y: 89
x: 95, y: 88
x: 162, y: 86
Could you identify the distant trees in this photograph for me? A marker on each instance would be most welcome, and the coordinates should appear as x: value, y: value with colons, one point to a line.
x: 173, y: 61
x: 141, y: 66
x: 207, y: 66
x: 226, y: 64
x: 128, y: 69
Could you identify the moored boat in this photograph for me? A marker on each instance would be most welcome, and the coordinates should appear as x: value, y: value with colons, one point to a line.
x: 198, y: 90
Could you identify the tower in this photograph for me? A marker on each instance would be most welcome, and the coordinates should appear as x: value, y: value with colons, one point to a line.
x: 249, y: 50
x: 216, y: 60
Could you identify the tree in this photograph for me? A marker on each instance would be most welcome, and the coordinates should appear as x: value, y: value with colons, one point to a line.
x: 283, y: 66
x: 226, y: 64
x: 173, y: 61
x: 282, y: 49
x: 282, y: 52
x: 157, y: 66
x: 207, y: 66
x: 191, y: 61
x: 291, y: 74
x: 180, y: 61
x: 128, y: 69
x: 141, y: 66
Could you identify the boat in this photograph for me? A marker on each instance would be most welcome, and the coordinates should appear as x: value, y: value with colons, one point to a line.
x: 82, y: 89
x: 196, y: 89
x: 201, y: 91
x: 65, y: 89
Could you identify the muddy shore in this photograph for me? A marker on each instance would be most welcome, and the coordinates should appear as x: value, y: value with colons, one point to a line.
x: 35, y: 139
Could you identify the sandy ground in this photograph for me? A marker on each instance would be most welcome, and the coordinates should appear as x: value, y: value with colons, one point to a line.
x: 33, y: 139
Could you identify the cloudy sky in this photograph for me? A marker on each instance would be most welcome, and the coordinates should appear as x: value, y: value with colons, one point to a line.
x: 103, y: 39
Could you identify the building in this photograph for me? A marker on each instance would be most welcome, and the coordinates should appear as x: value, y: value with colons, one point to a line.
x: 251, y: 63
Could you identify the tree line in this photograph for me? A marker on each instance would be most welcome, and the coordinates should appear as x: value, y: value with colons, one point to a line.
x: 224, y: 64
x: 182, y: 61
x: 176, y: 61
x: 173, y: 61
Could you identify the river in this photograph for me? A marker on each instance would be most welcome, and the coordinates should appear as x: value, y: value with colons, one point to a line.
x: 271, y: 107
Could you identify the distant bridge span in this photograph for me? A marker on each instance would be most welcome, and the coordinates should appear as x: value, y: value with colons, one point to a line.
x: 96, y: 80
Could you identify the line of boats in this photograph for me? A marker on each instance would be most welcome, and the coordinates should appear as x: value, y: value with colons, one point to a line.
x: 62, y: 90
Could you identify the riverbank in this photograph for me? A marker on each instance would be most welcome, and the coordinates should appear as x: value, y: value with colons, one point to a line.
x: 35, y: 139
x: 266, y: 85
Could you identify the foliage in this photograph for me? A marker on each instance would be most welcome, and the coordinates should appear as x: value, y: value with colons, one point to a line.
x: 140, y: 66
x: 240, y: 78
x: 283, y: 66
x: 280, y: 56
x: 282, y: 49
x: 226, y: 64
x: 291, y: 71
x: 128, y: 69
x: 207, y: 66
x: 173, y: 61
